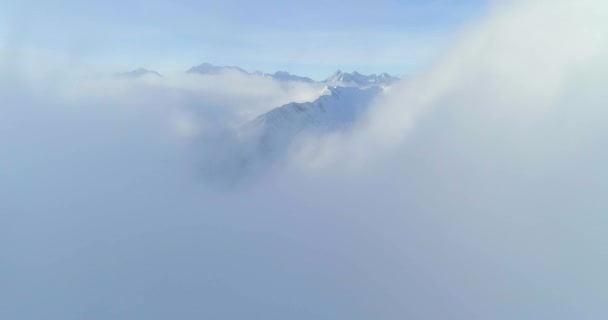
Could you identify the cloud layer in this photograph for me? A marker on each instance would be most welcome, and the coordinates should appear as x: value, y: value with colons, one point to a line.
x: 474, y: 190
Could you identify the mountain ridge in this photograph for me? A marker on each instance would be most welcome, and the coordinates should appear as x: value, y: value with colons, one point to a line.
x: 338, y: 108
x: 357, y: 79
x: 339, y: 78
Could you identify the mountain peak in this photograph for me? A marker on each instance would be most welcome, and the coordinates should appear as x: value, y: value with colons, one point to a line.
x: 355, y: 78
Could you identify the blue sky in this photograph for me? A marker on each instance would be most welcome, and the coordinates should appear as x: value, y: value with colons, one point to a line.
x: 311, y: 38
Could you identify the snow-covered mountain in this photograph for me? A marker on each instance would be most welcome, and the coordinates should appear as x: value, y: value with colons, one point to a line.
x: 337, y: 108
x: 356, y: 79
x: 137, y: 73
x: 338, y: 79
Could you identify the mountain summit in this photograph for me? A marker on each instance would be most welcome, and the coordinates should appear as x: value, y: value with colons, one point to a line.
x: 356, y: 79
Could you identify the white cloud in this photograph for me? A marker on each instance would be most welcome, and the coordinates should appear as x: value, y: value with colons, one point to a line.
x: 473, y: 191
x: 514, y: 66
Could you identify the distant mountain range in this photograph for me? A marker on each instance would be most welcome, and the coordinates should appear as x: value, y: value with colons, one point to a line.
x: 207, y: 68
x: 339, y: 78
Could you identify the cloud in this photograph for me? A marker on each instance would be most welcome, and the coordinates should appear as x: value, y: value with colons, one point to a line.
x: 474, y: 190
x: 517, y: 72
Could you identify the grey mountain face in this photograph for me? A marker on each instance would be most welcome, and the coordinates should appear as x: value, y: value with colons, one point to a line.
x: 339, y: 108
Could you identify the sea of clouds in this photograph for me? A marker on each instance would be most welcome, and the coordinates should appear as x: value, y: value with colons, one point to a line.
x: 475, y: 189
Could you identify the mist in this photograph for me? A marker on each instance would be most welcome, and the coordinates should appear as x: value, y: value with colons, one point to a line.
x: 472, y: 190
